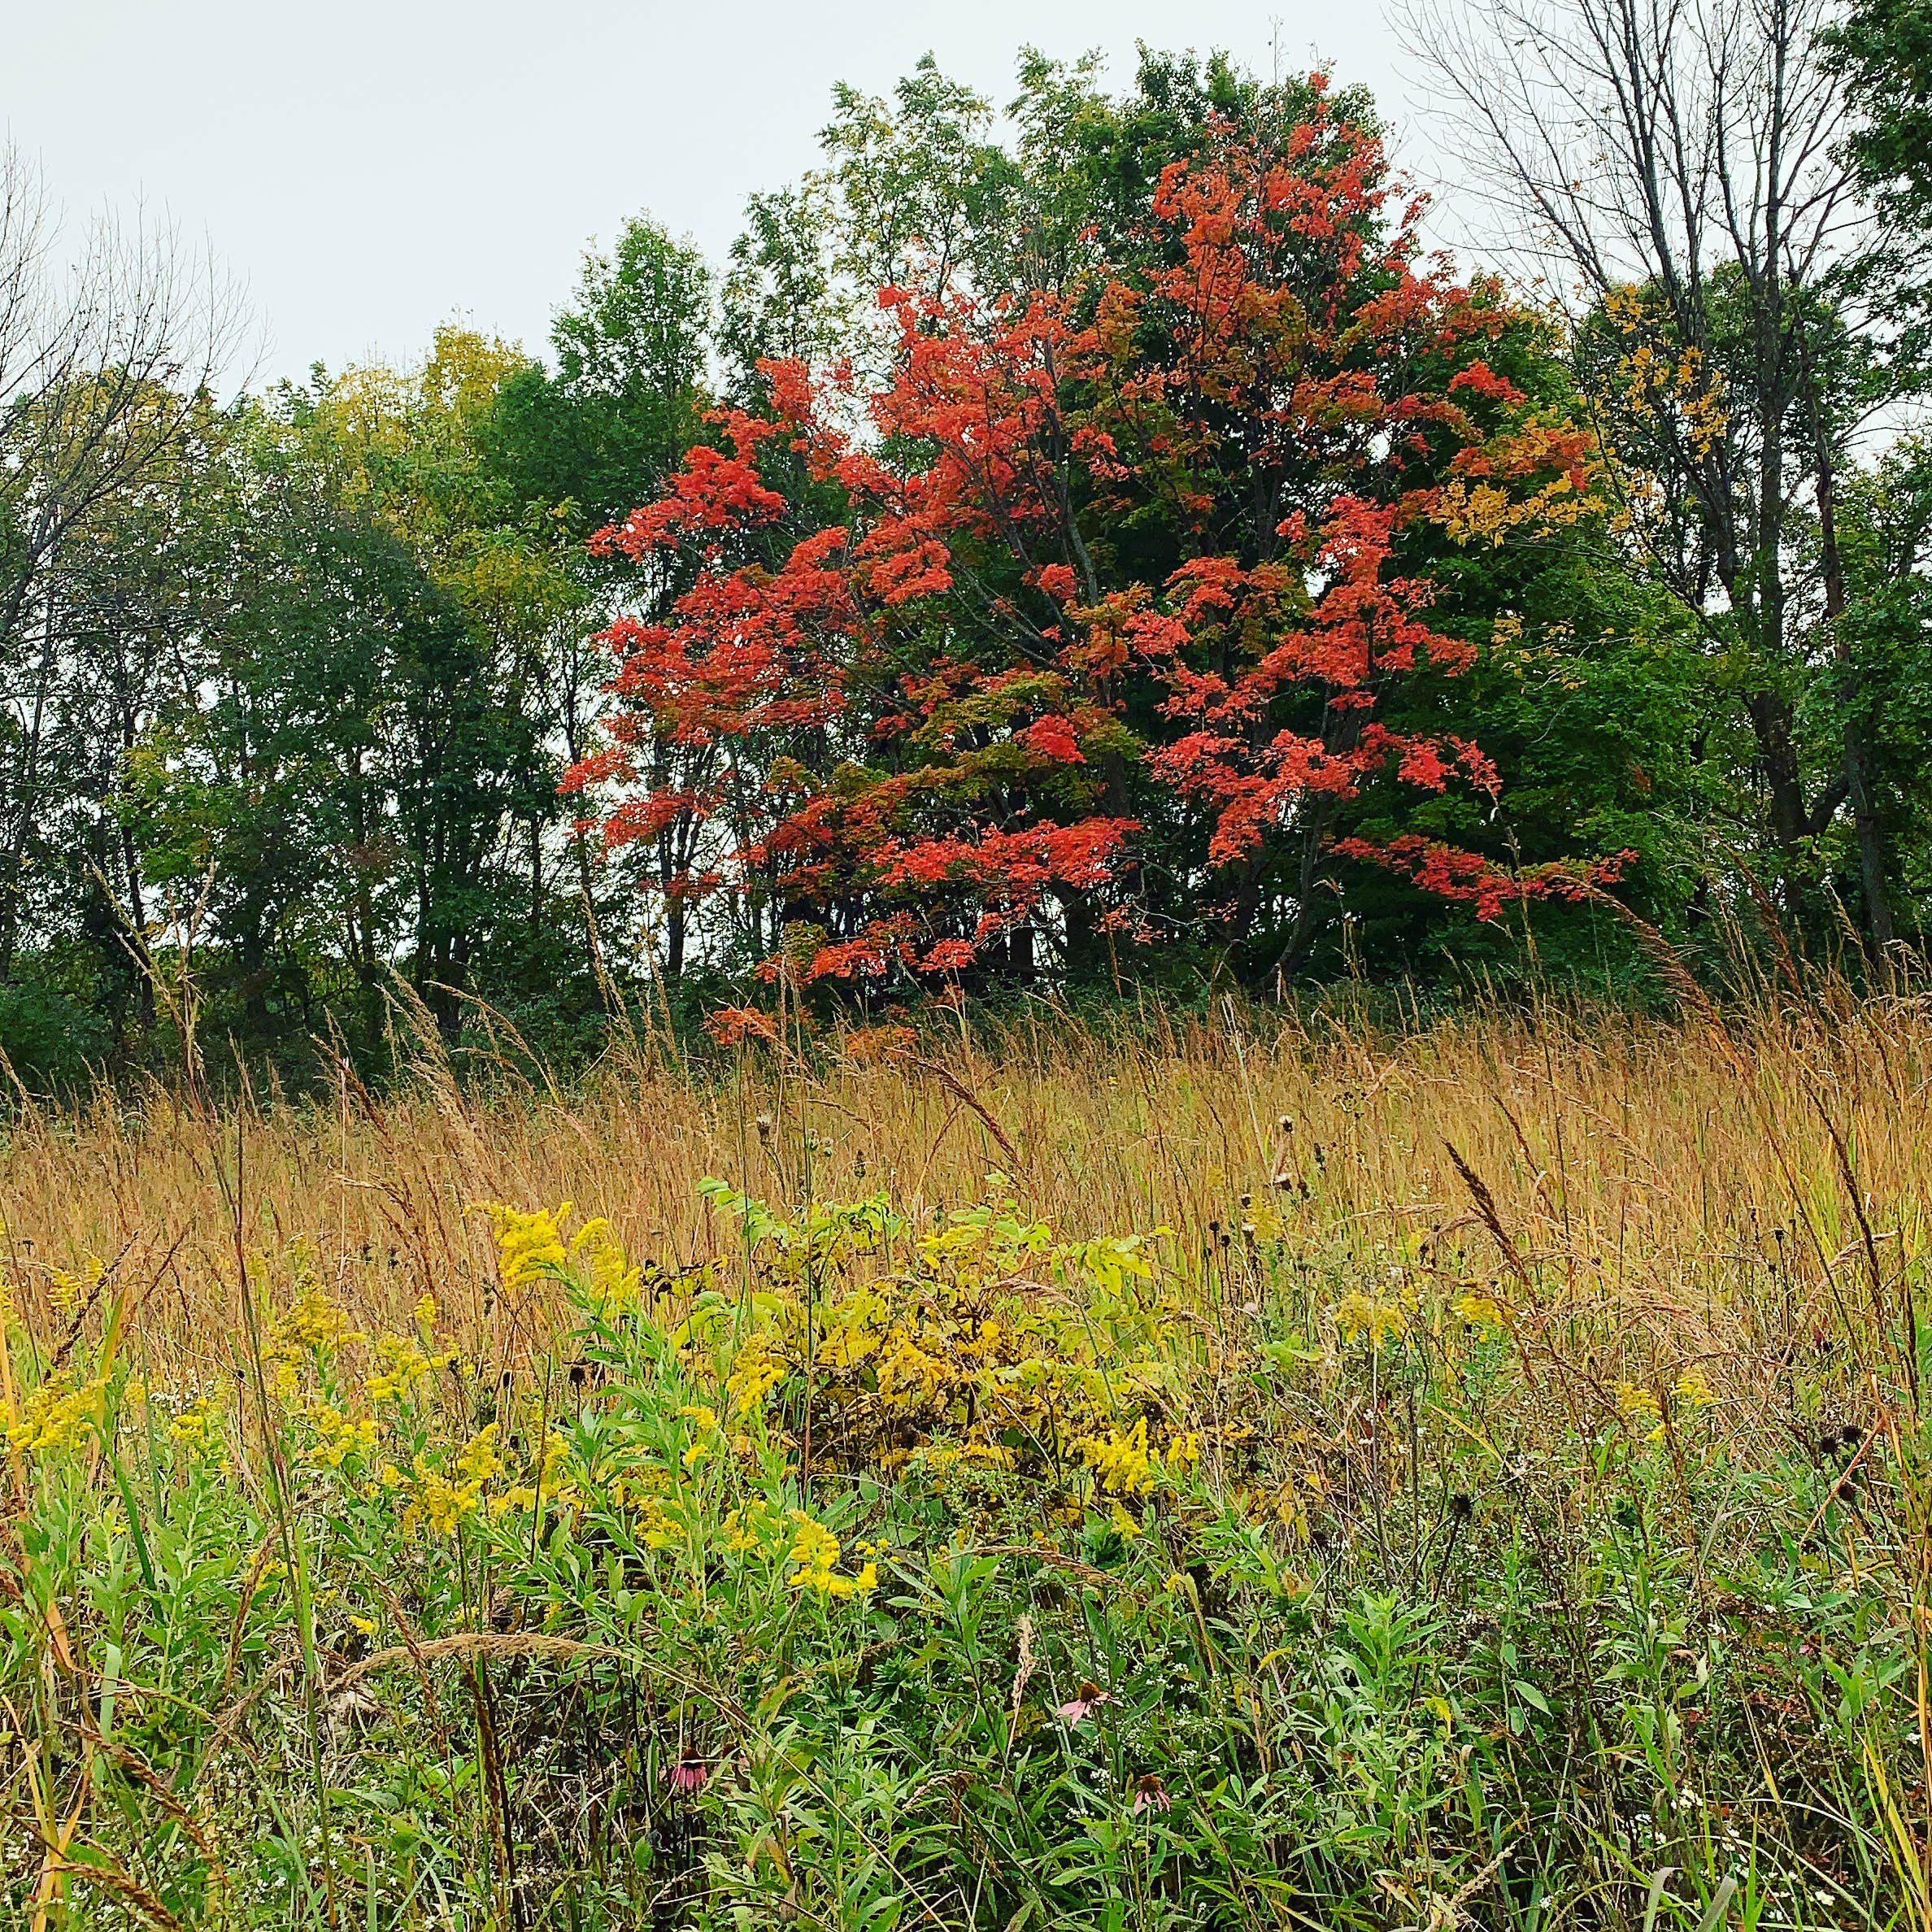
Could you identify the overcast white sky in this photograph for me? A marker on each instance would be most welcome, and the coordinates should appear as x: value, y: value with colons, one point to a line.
x: 370, y: 167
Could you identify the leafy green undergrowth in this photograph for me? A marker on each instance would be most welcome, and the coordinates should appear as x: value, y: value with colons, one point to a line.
x: 883, y: 1572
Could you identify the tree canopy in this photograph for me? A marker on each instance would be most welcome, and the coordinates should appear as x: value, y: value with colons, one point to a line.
x: 1074, y: 542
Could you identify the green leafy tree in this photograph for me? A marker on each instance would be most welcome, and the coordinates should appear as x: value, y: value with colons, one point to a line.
x: 1722, y: 343
x: 1882, y: 52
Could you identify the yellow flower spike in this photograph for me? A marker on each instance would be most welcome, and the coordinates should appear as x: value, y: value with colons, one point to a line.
x: 1480, y: 1311
x: 1693, y: 1391
x: 60, y: 1413
x: 478, y: 1461
x: 753, y: 1527
x: 403, y: 1365
x: 1377, y: 1316
x: 815, y: 1550
x: 1641, y: 1410
x: 313, y: 1323
x: 754, y: 1373
x: 337, y: 1437
x: 66, y: 1290
x: 191, y: 1426
x: 529, y: 1246
x: 1122, y: 1463
x: 615, y: 1285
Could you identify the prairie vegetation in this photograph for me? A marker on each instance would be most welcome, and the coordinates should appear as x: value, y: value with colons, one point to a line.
x: 1267, y: 1472
x: 846, y: 1109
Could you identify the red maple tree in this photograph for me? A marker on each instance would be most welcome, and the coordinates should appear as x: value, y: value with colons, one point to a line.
x: 1152, y: 547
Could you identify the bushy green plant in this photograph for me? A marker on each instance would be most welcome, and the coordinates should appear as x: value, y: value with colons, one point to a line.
x: 878, y: 1570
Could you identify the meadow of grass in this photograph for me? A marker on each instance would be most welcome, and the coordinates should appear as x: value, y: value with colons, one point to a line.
x: 1263, y: 1473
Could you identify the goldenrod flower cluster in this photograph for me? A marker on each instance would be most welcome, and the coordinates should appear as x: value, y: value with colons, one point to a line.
x: 337, y: 1436
x: 530, y: 1246
x: 612, y: 1284
x: 196, y: 1426
x: 63, y: 1410
x: 67, y: 1290
x: 1377, y: 1316
x: 816, y: 1550
x: 404, y: 1363
x: 756, y: 1370
x: 754, y: 1525
x: 1641, y: 1409
x: 443, y: 1501
x: 1124, y: 1463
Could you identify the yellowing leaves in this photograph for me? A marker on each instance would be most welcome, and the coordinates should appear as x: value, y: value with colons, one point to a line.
x: 1529, y: 481
x: 1663, y: 381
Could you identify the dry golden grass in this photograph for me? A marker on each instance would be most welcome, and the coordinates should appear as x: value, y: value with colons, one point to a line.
x: 1702, y: 1189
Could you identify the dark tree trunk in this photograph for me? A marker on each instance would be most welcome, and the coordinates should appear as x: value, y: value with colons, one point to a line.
x: 1858, y: 771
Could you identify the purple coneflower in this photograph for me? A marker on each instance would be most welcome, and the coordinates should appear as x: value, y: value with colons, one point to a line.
x: 1149, y: 1793
x: 1090, y: 1695
x: 688, y: 1772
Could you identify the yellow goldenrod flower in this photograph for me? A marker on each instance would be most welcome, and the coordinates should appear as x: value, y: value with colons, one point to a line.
x: 313, y: 1322
x: 1124, y: 1463
x: 337, y: 1437
x: 615, y: 1285
x: 1693, y: 1391
x: 754, y: 1373
x: 1641, y: 1410
x: 56, y: 1415
x: 403, y: 1365
x: 1480, y: 1311
x: 816, y: 1549
x: 529, y: 1246
x: 1377, y: 1316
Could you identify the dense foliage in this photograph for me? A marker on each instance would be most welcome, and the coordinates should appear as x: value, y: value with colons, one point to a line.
x: 1121, y: 587
x: 1090, y: 549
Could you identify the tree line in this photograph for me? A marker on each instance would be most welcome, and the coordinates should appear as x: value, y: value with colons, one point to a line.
x: 1090, y: 545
